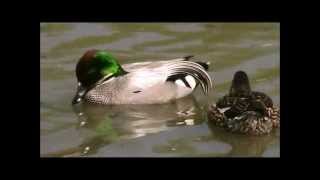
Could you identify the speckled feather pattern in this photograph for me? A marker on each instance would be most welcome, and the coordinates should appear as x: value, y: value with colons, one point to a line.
x: 249, y: 122
x: 248, y: 112
x: 246, y: 120
x: 146, y: 83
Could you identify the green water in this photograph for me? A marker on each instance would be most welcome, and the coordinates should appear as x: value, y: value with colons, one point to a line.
x: 176, y: 129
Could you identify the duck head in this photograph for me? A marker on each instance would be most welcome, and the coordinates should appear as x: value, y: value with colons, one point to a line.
x: 94, y: 68
x: 240, y: 85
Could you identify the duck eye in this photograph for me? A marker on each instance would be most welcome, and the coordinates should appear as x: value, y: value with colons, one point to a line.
x: 92, y: 70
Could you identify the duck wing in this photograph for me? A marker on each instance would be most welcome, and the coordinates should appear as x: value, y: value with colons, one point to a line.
x: 178, y: 69
x: 169, y: 70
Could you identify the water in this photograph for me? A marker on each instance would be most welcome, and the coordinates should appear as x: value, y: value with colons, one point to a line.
x: 176, y: 129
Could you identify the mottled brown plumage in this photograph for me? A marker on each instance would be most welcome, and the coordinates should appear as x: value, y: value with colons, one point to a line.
x: 248, y: 112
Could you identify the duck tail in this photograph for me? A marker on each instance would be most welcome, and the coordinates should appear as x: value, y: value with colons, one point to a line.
x: 205, y: 65
x: 197, y: 71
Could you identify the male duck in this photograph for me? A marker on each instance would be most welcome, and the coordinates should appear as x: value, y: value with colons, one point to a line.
x: 102, y: 80
x: 245, y: 111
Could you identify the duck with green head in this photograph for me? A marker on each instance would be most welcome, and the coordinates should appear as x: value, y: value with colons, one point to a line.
x: 243, y: 110
x: 102, y: 80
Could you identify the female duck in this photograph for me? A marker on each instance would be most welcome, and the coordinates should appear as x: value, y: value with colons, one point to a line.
x: 102, y: 80
x: 245, y: 111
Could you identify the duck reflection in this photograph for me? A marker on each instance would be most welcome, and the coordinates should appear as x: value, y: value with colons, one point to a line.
x: 242, y: 145
x: 101, y: 124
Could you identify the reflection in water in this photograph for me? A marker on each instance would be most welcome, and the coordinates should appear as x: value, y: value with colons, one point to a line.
x: 101, y: 124
x: 244, y: 145
x: 216, y: 142
x: 192, y: 146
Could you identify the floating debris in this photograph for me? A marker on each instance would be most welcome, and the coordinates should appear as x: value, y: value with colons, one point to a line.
x: 86, y: 150
x: 262, y: 79
x: 267, y: 45
x: 189, y: 122
x: 82, y: 123
x: 180, y: 123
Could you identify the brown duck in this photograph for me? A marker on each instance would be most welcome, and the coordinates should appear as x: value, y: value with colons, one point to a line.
x: 243, y: 110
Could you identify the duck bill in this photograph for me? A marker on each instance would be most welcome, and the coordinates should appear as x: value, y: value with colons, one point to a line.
x: 81, y: 91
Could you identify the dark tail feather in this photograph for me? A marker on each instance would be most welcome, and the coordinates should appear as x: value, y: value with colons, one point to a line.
x: 187, y: 58
x: 205, y: 65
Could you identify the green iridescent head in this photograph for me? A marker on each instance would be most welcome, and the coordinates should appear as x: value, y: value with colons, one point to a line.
x: 97, y: 65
